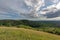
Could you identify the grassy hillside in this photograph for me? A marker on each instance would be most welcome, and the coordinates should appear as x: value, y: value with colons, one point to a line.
x: 10, y: 33
x: 46, y: 26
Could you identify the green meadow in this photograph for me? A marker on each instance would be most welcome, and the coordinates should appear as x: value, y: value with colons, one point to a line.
x: 12, y: 33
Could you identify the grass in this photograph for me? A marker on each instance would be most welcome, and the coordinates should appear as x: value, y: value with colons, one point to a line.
x: 10, y: 33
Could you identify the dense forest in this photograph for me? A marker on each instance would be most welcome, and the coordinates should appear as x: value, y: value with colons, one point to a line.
x: 47, y: 26
x: 30, y: 23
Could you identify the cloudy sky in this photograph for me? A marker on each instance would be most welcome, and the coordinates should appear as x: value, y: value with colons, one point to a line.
x: 30, y: 9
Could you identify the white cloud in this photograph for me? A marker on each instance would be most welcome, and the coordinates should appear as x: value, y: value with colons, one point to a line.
x: 58, y: 6
x: 21, y: 6
x: 55, y: 1
x: 26, y: 8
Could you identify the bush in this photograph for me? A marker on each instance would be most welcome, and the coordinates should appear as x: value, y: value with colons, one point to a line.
x: 24, y: 26
x: 53, y: 30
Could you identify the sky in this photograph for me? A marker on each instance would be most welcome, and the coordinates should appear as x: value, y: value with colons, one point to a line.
x: 30, y: 9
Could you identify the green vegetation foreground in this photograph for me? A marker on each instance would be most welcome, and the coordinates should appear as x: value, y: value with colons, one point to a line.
x: 10, y: 33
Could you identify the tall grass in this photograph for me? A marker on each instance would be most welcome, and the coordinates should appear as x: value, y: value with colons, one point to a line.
x: 11, y: 33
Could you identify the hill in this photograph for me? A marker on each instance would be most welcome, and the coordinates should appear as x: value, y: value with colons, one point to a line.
x: 46, y: 26
x: 12, y: 33
x: 30, y: 23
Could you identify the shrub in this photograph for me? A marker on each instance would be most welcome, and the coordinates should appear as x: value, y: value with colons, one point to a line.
x: 24, y: 26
